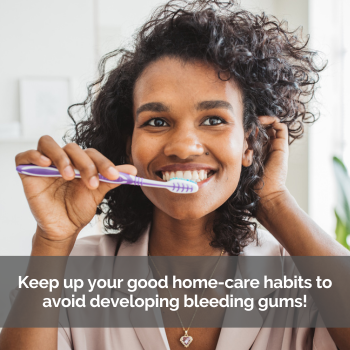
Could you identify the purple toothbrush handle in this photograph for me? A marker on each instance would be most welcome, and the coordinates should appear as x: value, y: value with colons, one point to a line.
x: 178, y: 186
x: 123, y: 178
x: 31, y: 169
x: 52, y: 171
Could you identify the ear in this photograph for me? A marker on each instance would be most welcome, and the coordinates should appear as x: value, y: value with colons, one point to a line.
x: 247, y: 157
x: 128, y: 150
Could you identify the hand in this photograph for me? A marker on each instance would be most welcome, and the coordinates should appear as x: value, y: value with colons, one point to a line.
x: 63, y: 206
x: 276, y: 163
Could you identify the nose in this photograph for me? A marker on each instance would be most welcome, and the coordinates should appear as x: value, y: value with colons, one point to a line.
x: 183, y: 144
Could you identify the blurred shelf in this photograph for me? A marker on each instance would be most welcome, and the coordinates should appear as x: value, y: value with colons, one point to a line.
x: 19, y: 140
x: 28, y: 140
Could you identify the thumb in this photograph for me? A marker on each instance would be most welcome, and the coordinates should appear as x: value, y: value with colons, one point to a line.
x: 104, y: 187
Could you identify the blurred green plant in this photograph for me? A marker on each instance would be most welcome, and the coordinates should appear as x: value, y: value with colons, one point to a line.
x: 342, y: 209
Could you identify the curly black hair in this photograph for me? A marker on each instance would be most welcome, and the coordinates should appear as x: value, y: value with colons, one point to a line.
x: 273, y: 67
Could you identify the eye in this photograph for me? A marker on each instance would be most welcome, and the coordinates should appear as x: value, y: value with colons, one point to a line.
x: 214, y: 121
x: 157, y: 122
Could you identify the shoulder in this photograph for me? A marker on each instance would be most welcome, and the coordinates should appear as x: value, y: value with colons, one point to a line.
x: 96, y: 245
x: 265, y: 244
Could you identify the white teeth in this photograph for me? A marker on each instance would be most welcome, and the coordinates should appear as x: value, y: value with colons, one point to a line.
x: 179, y: 174
x: 194, y: 175
x: 187, y: 175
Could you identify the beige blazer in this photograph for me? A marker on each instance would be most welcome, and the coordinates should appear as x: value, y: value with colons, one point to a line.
x: 156, y: 339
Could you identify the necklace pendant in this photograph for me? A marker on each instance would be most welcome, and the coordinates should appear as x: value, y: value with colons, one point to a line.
x: 186, y: 340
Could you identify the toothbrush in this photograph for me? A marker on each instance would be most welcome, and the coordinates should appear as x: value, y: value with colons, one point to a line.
x: 175, y: 185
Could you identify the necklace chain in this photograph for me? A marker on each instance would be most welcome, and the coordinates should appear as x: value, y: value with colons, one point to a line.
x: 194, y: 314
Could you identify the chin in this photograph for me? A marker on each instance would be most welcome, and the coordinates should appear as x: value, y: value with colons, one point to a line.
x: 183, y: 207
x: 189, y: 214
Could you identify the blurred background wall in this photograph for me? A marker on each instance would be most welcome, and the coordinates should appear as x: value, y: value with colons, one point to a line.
x: 48, y: 44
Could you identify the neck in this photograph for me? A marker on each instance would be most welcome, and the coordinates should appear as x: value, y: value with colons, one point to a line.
x: 172, y: 237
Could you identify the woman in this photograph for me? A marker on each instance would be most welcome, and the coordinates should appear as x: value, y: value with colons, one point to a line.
x: 206, y: 89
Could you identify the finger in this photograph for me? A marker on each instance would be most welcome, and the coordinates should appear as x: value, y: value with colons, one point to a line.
x: 280, y: 128
x: 267, y: 119
x: 104, y: 166
x: 50, y: 148
x: 271, y: 133
x: 127, y: 168
x: 32, y: 157
x: 83, y: 163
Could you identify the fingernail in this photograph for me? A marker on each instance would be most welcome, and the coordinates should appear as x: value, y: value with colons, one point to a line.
x: 113, y: 172
x: 45, y: 159
x: 93, y: 182
x: 68, y: 171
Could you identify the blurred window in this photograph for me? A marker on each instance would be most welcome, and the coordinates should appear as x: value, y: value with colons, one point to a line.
x: 346, y: 82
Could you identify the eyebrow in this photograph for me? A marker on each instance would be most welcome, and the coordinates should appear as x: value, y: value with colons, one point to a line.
x: 201, y: 106
x: 152, y: 107
x: 205, y: 105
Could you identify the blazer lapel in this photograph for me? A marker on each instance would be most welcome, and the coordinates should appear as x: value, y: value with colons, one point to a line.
x: 244, y: 338
x: 237, y: 338
x: 150, y: 338
x: 240, y: 338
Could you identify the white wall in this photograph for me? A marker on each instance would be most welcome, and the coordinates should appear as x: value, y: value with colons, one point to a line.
x: 42, y: 38
x: 57, y: 39
x: 326, y: 136
x: 297, y: 14
x: 38, y: 38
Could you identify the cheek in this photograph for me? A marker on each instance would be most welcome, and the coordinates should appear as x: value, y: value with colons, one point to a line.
x: 142, y: 151
x: 229, y: 155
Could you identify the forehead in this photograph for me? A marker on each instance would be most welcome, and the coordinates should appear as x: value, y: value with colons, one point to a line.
x: 182, y: 84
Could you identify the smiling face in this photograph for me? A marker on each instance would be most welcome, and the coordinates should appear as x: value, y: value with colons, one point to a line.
x: 183, y: 111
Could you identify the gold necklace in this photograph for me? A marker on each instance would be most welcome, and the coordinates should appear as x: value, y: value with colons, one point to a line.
x: 186, y: 339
